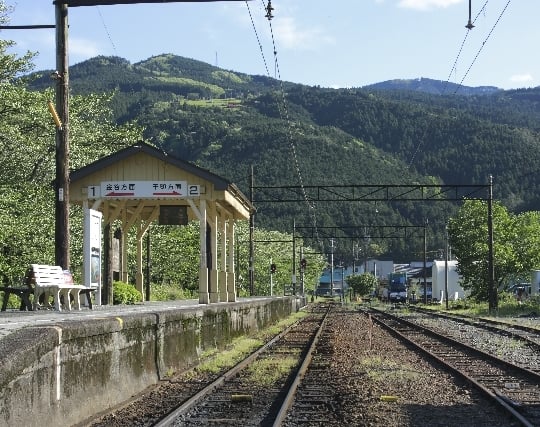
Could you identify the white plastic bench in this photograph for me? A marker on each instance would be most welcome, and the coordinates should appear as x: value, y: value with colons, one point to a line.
x: 52, y: 280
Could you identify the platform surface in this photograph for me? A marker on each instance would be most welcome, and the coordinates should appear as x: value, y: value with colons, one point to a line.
x: 13, y: 319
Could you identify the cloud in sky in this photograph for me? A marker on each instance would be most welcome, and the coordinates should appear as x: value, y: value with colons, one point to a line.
x: 83, y: 48
x: 427, y: 4
x: 290, y: 36
x: 37, y: 42
x: 522, y: 78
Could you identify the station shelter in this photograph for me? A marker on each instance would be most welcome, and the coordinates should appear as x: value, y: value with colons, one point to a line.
x: 141, y: 184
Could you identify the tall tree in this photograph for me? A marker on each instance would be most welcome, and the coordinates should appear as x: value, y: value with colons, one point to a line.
x: 516, y: 245
x: 27, y: 155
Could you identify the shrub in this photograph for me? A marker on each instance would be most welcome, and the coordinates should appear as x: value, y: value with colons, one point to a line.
x: 124, y: 293
x: 162, y: 292
x: 13, y: 302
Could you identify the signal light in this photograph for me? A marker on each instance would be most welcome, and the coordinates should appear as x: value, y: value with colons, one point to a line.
x: 303, y: 263
x: 272, y: 268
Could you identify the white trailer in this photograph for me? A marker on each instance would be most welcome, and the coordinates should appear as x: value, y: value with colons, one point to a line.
x: 439, y: 274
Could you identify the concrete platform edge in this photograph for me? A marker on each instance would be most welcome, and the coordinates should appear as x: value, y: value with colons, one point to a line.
x: 66, y: 371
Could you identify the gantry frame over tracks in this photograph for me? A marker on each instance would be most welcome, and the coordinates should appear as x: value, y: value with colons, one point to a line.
x: 388, y: 192
x: 358, y: 231
x: 370, y: 193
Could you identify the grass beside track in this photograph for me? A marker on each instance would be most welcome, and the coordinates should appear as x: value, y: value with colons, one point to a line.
x: 217, y: 360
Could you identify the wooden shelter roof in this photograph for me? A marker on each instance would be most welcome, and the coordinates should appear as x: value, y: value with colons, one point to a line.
x: 143, y: 162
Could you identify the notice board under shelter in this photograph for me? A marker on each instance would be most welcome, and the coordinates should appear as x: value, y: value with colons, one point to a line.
x: 142, y: 184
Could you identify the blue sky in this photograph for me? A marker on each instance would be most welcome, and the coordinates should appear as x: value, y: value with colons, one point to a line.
x: 331, y: 43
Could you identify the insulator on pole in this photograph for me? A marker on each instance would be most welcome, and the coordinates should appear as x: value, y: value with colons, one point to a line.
x: 469, y: 25
x: 54, y: 115
x: 269, y: 10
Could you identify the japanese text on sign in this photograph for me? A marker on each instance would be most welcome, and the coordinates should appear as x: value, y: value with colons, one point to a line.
x: 144, y: 189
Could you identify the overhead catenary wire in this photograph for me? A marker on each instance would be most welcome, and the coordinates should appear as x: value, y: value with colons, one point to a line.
x: 469, y: 27
x: 257, y: 37
x: 106, y: 30
x: 482, y: 46
x: 157, y: 142
x: 283, y: 109
x: 461, y: 47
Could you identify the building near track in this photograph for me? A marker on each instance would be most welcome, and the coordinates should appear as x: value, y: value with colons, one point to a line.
x: 437, y: 276
x: 445, y: 275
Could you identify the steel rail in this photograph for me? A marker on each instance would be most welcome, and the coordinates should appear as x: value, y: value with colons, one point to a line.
x: 497, y: 397
x: 171, y: 417
x: 289, y: 399
x: 516, y: 331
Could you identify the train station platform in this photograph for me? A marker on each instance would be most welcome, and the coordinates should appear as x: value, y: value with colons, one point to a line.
x: 13, y: 319
x: 62, y: 367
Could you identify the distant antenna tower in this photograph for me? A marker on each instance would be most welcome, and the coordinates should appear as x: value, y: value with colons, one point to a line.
x: 216, y: 60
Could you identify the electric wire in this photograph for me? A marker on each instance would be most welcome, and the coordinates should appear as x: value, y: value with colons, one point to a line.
x: 257, y: 37
x: 284, y: 114
x: 106, y: 30
x: 482, y: 47
x: 461, y: 48
x: 482, y: 9
x: 158, y: 142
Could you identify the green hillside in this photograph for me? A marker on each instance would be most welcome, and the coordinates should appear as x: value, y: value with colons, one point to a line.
x: 293, y: 134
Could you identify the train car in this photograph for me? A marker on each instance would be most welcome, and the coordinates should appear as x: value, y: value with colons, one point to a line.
x: 397, y: 287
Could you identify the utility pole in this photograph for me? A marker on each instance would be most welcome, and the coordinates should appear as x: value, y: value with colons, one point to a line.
x: 446, y: 264
x: 353, y: 258
x: 251, y: 233
x: 302, y: 270
x: 332, y: 267
x: 294, y: 258
x: 425, y: 264
x: 271, y: 279
x: 492, y: 292
x: 61, y: 75
x: 61, y: 230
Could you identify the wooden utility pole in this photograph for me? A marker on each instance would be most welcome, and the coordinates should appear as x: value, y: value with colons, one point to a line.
x: 251, y: 236
x: 61, y: 184
x: 293, y: 277
x: 425, y: 264
x: 492, y: 290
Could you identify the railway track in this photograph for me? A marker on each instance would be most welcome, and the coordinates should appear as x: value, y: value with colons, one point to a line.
x: 238, y: 397
x: 333, y: 368
x: 515, y: 388
x: 525, y: 333
x: 490, y: 335
x: 314, y: 401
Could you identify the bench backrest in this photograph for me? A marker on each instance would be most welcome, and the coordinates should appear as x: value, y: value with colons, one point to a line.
x: 47, y: 275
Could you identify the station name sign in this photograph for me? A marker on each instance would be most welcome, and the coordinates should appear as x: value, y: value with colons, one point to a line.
x: 143, y: 190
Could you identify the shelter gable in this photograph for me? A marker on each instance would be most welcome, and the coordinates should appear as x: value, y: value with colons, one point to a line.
x: 141, y: 167
x: 146, y: 165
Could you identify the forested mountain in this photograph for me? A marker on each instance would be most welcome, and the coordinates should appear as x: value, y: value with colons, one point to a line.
x: 298, y: 135
x: 438, y: 87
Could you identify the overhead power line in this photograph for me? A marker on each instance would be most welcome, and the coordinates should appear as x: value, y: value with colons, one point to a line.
x: 107, y: 30
x: 483, y: 44
x: 463, y: 42
x: 282, y: 107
